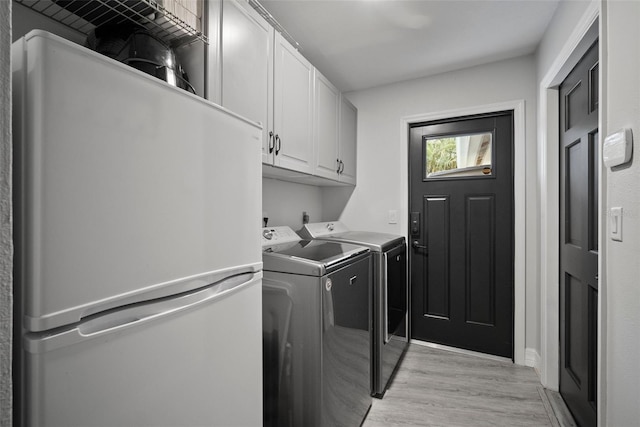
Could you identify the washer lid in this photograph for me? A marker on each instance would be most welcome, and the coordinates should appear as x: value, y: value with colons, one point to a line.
x: 309, y: 257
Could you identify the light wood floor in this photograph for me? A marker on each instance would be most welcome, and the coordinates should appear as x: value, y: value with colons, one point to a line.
x: 434, y: 387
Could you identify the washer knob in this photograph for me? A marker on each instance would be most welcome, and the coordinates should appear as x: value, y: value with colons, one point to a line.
x: 330, y: 226
x: 267, y: 234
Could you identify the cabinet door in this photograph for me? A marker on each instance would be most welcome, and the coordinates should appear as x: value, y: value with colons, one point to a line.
x: 348, y: 140
x: 247, y: 67
x: 293, y: 108
x: 327, y: 105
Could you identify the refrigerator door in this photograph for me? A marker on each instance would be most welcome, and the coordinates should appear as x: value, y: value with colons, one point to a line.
x: 191, y: 360
x: 123, y: 183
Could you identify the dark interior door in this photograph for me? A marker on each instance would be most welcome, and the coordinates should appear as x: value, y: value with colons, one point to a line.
x: 461, y: 231
x: 579, y: 159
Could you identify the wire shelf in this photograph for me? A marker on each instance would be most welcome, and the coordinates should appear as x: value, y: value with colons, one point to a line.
x: 84, y: 15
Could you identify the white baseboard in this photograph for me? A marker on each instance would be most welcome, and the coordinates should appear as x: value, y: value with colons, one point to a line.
x: 532, y: 359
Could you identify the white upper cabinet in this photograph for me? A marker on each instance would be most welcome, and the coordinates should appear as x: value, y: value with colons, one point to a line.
x: 307, y: 126
x: 293, y: 108
x: 326, y: 120
x: 247, y: 67
x: 335, y: 133
x: 266, y: 79
x: 348, y: 141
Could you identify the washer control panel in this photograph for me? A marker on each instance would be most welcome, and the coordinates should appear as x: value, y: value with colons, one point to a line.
x: 276, y: 235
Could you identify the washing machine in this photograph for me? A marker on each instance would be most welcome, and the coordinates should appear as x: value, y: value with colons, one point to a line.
x: 316, y: 331
x: 390, y: 294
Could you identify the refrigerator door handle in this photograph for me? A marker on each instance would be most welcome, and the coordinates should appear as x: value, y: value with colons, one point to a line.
x: 118, y: 319
x: 163, y: 306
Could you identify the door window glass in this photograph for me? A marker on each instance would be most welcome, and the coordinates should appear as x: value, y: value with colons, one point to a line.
x: 459, y: 156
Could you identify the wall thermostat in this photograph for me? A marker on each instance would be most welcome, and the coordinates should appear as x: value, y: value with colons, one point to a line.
x: 617, y: 148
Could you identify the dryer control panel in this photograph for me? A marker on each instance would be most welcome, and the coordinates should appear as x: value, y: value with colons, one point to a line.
x: 323, y: 229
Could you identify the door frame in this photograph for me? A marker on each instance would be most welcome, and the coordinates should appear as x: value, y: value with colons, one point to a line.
x: 519, y: 198
x: 585, y: 33
x: 583, y: 36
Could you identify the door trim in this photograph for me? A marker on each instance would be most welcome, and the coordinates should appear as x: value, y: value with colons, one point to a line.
x: 582, y: 37
x: 519, y: 198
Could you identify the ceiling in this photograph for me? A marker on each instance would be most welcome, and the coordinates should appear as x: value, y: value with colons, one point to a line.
x: 359, y: 44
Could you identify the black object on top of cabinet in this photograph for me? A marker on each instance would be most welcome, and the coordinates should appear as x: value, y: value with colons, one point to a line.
x: 135, y: 46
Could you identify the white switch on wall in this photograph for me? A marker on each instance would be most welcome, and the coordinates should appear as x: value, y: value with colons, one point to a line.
x: 615, y: 227
x: 393, y: 217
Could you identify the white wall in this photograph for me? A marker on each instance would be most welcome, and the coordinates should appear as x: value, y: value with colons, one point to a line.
x: 621, y: 38
x: 24, y: 20
x: 560, y: 28
x: 379, y: 132
x: 285, y: 201
x: 6, y: 243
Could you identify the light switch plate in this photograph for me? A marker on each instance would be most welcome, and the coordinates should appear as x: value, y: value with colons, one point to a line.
x: 393, y: 217
x: 615, y: 226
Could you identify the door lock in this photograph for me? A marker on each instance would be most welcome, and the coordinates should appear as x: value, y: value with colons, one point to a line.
x: 415, y: 223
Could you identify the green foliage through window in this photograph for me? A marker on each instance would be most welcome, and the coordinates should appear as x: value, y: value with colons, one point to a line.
x: 441, y: 155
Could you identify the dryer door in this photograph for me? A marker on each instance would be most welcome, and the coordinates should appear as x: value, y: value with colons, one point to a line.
x: 395, y: 291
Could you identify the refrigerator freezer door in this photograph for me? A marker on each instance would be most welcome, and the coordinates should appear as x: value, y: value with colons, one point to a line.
x: 124, y: 183
x: 176, y: 362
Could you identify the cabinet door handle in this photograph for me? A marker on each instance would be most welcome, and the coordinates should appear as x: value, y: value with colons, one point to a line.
x: 278, y: 144
x: 272, y: 145
x: 338, y: 163
x: 341, y: 167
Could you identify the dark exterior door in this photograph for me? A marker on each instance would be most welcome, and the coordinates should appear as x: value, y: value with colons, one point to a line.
x: 461, y: 230
x: 579, y: 159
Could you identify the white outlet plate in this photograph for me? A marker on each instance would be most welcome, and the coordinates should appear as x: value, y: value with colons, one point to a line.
x: 393, y: 217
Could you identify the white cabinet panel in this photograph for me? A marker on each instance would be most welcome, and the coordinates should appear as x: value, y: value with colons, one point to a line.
x: 247, y: 67
x: 327, y: 105
x: 293, y: 108
x: 348, y: 141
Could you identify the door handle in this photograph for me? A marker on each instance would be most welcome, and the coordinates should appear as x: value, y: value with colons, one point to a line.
x: 338, y: 163
x: 278, y: 144
x: 341, y: 167
x: 416, y: 244
x: 271, y: 143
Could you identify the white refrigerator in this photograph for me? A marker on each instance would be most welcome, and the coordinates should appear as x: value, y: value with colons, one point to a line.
x: 139, y: 270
